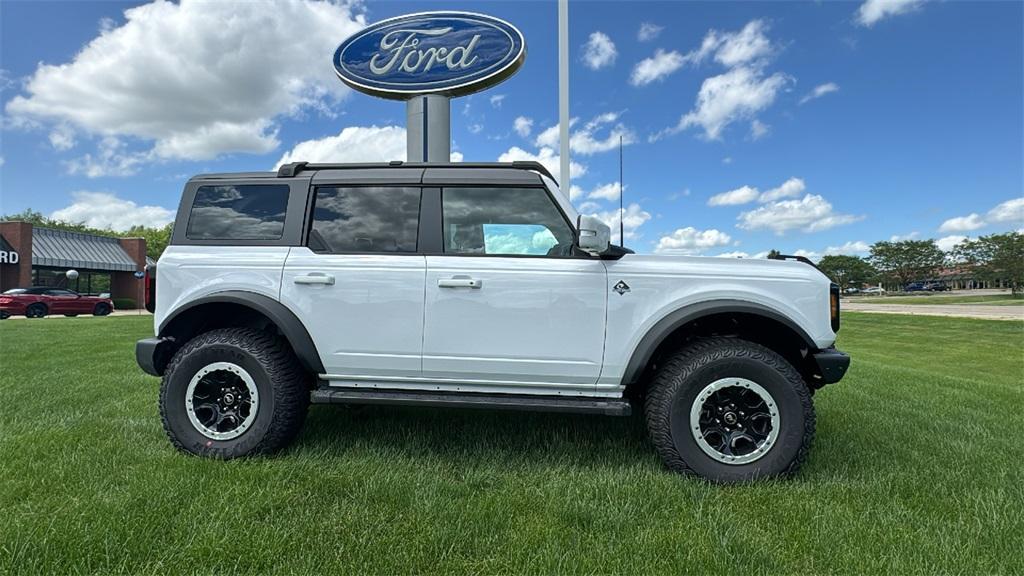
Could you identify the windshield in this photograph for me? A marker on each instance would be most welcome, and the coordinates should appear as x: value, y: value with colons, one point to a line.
x: 16, y: 291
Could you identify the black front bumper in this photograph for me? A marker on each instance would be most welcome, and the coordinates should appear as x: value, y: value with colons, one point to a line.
x: 832, y: 365
x: 152, y: 354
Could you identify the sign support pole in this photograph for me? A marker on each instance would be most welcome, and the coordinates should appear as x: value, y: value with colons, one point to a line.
x: 428, y: 128
x: 563, y: 94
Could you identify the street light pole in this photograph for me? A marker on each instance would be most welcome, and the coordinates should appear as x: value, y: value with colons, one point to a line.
x: 563, y: 94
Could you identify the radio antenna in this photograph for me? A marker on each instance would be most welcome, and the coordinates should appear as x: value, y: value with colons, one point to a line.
x: 622, y: 235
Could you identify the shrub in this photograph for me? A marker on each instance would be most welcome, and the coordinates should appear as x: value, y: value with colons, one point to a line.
x: 125, y: 303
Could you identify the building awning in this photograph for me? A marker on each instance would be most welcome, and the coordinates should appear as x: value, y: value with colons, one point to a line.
x: 63, y: 249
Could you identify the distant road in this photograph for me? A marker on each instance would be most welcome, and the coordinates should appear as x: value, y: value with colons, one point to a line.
x: 959, y: 310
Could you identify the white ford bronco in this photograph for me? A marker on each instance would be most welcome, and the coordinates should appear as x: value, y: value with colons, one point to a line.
x: 473, y: 285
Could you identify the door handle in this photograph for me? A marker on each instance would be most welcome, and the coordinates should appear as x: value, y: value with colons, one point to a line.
x: 315, y: 278
x: 460, y: 282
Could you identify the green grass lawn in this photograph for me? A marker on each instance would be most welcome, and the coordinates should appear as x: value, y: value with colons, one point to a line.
x: 918, y: 467
x: 917, y: 298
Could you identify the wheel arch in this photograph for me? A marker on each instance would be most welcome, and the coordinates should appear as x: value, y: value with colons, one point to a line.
x: 237, y: 308
x: 745, y: 320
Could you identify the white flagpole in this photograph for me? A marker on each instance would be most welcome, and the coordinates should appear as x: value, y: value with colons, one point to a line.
x: 563, y: 94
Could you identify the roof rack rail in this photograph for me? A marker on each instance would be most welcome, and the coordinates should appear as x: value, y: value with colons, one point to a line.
x: 294, y: 168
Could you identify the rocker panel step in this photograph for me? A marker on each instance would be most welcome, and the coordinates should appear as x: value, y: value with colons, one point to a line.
x: 608, y: 407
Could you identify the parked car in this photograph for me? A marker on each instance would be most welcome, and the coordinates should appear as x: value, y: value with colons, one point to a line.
x: 937, y: 287
x: 915, y: 287
x: 474, y: 286
x: 874, y: 290
x: 40, y: 301
x: 852, y: 290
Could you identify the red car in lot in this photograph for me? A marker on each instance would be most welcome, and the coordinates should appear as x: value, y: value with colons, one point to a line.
x: 39, y: 301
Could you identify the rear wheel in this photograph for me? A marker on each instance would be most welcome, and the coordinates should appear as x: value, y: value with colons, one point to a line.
x: 4, y: 314
x: 730, y: 411
x: 36, y: 310
x: 233, y: 392
x: 101, y: 309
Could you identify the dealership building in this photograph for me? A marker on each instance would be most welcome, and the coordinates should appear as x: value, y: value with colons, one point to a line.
x: 36, y: 256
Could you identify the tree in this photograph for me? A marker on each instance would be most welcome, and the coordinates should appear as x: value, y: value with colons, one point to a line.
x: 995, y: 257
x: 156, y: 238
x: 847, y: 271
x: 908, y: 260
x: 773, y: 254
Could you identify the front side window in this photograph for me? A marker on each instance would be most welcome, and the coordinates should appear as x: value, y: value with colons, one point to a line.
x: 241, y: 212
x: 504, y: 221
x: 365, y: 219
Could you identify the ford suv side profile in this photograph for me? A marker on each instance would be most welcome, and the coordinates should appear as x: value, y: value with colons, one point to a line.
x: 474, y: 285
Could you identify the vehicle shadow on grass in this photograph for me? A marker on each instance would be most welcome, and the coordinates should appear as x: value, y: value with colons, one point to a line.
x: 466, y: 436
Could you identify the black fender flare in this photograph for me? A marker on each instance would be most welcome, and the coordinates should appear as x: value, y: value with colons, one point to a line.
x: 282, y: 317
x: 662, y: 329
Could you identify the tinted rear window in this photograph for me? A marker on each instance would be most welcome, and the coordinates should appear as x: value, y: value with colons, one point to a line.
x: 241, y: 212
x: 365, y: 219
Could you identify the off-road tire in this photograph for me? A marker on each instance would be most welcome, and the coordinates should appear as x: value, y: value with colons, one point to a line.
x: 681, y: 378
x: 101, y: 309
x: 36, y: 310
x: 282, y: 385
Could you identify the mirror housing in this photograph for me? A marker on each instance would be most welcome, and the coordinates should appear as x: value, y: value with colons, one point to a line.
x: 594, y: 235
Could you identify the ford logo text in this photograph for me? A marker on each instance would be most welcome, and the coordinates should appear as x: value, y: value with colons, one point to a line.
x: 450, y: 53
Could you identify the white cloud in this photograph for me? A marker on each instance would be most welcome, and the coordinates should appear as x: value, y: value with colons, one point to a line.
x: 523, y: 126
x: 947, y: 243
x: 545, y: 156
x: 354, y: 144
x: 475, y: 128
x: 758, y: 129
x: 656, y: 67
x: 736, y: 254
x: 809, y: 254
x: 609, y: 191
x: 587, y: 140
x: 789, y: 189
x: 748, y: 45
x: 111, y: 159
x: 105, y: 210
x: 599, y: 51
x: 690, y: 241
x: 962, y: 224
x: 634, y: 218
x: 497, y: 100
x: 648, y: 31
x: 735, y: 197
x: 587, y: 207
x: 727, y: 160
x: 195, y: 78
x: 746, y: 194
x: 62, y: 138
x: 851, y: 248
x: 735, y: 95
x: 872, y: 11
x: 819, y: 91
x: 902, y: 237
x: 812, y: 213
x: 1010, y: 211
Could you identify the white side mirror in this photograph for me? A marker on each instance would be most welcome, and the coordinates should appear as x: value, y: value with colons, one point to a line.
x: 595, y: 235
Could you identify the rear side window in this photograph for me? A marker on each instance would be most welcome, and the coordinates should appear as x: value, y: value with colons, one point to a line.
x: 241, y: 212
x: 365, y: 219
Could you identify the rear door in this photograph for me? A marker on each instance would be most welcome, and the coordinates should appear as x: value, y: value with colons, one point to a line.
x: 357, y: 282
x: 510, y: 307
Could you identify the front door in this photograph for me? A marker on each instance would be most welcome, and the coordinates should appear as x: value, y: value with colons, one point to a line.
x: 509, y: 306
x: 357, y: 285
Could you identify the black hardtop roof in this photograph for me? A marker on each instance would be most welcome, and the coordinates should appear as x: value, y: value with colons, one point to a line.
x: 295, y: 169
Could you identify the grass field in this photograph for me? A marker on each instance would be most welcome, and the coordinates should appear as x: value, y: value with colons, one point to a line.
x: 916, y: 298
x: 918, y: 467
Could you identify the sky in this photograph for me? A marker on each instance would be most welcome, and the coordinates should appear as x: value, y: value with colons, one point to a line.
x: 808, y: 127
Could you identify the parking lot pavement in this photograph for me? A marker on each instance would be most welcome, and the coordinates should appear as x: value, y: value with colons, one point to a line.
x: 958, y: 310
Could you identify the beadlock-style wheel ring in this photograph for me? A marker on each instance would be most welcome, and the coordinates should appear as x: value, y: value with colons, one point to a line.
x: 222, y: 401
x: 734, y: 420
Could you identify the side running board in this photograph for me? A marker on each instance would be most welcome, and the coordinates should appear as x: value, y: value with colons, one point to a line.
x: 608, y: 407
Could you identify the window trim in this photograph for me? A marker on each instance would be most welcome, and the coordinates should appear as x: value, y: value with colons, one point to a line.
x: 310, y: 219
x: 575, y: 254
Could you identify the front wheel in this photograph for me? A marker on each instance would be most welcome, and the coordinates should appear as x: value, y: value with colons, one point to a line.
x: 233, y: 392
x: 730, y: 411
x: 101, y: 309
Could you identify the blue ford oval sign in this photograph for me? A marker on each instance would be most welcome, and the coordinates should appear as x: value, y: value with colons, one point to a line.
x: 451, y: 53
